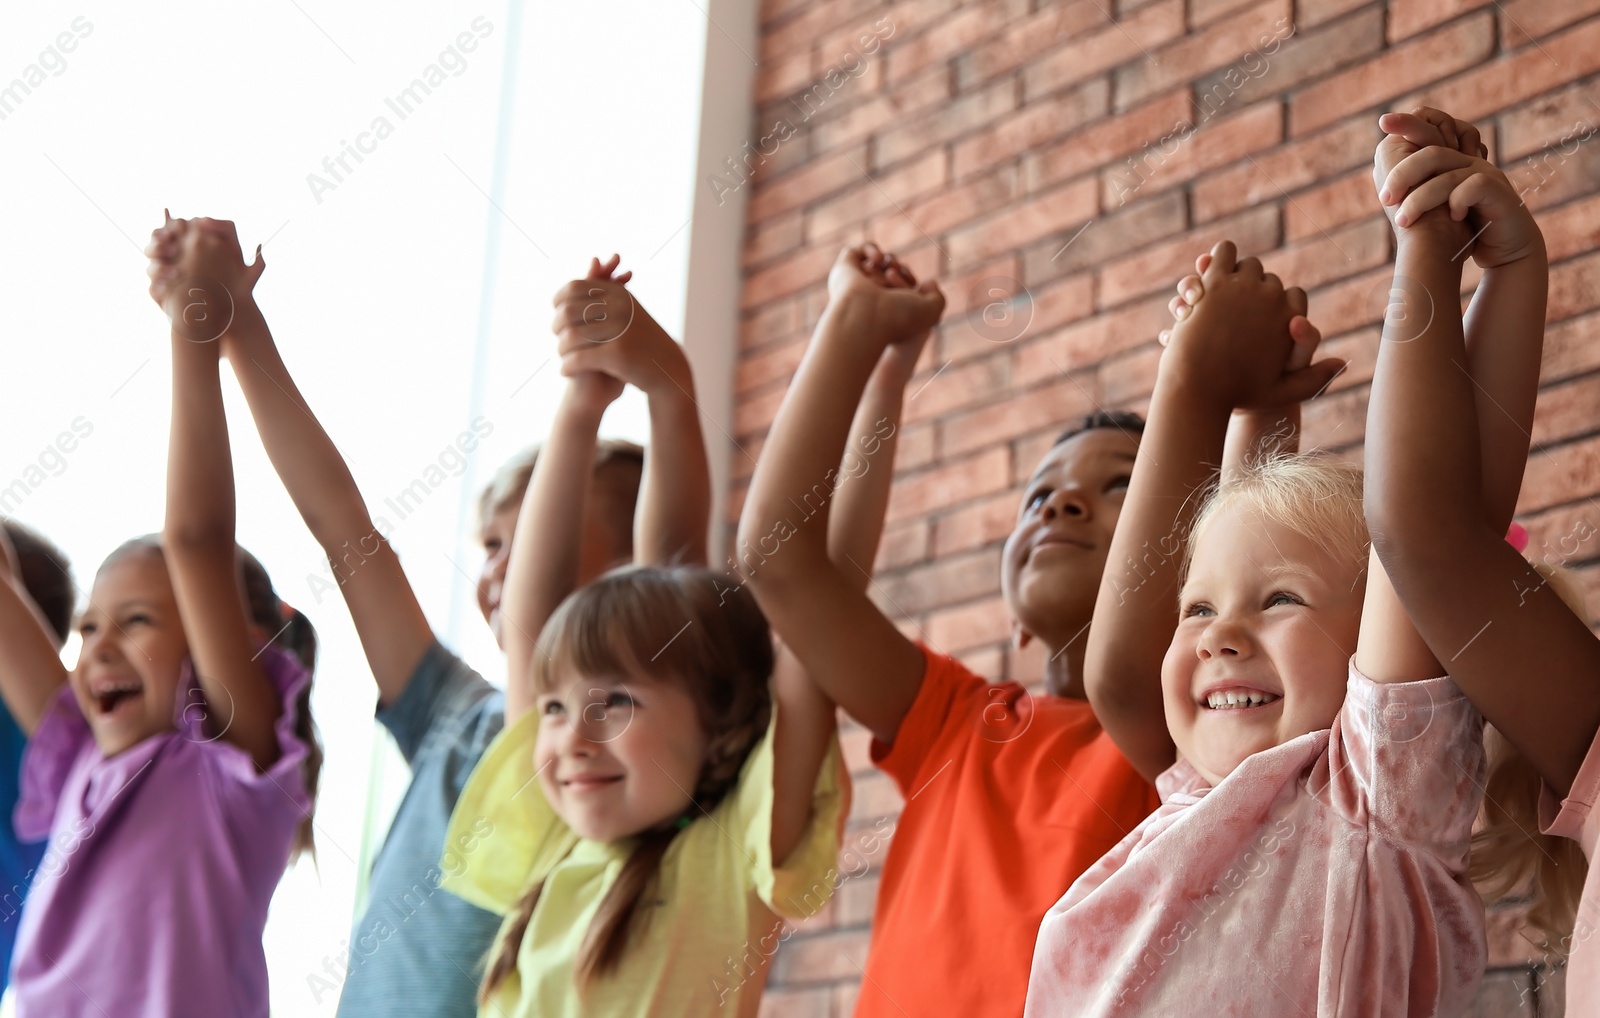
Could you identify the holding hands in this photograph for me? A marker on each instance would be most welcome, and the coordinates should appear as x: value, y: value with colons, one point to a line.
x: 198, y: 274
x: 607, y: 340
x: 1434, y: 180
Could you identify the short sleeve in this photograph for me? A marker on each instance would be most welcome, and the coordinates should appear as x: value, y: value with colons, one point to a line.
x: 1406, y: 758
x: 946, y: 691
x: 782, y: 884
x: 503, y: 813
x: 1574, y: 817
x: 60, y: 739
x: 283, y: 784
x: 441, y: 690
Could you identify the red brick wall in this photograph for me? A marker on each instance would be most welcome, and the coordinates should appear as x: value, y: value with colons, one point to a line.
x: 1040, y: 149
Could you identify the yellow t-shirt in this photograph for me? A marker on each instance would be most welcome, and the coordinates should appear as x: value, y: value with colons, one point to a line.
x: 706, y: 944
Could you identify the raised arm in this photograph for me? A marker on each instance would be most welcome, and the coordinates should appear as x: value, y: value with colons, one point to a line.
x: 806, y: 716
x: 198, y: 537
x: 1447, y: 441
x: 31, y: 672
x: 821, y: 612
x: 1229, y: 352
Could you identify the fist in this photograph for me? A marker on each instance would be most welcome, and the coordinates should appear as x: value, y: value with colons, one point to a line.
x: 601, y: 329
x: 881, y: 286
x: 198, y: 274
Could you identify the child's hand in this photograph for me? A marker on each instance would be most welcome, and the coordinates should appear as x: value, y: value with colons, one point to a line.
x: 1457, y: 179
x: 165, y: 242
x: 1406, y: 134
x: 601, y: 329
x: 199, y: 275
x: 899, y: 361
x: 878, y: 285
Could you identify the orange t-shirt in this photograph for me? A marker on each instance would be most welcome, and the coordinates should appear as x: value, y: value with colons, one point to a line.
x: 1009, y: 798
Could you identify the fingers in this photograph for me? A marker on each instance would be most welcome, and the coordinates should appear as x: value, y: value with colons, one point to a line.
x: 624, y: 277
x: 1304, y: 333
x: 1192, y: 288
x: 1298, y: 303
x: 1250, y: 268
x: 1299, y: 386
x: 1223, y: 257
x: 1418, y: 167
x: 1416, y: 128
x: 1485, y: 191
x: 1202, y: 263
x: 1179, y: 309
x: 1433, y: 193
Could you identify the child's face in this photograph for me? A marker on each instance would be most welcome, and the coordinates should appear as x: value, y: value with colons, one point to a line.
x: 617, y: 755
x: 1265, y: 615
x: 1052, y: 562
x: 133, y: 652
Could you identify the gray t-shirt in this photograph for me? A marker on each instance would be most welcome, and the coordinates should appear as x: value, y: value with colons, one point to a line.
x: 418, y: 950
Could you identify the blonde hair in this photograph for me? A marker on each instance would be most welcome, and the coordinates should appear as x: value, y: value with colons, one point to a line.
x: 618, y: 463
x: 725, y: 662
x: 1312, y: 494
x: 1510, y: 856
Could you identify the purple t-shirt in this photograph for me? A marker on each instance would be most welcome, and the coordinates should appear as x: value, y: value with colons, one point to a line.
x: 153, y: 892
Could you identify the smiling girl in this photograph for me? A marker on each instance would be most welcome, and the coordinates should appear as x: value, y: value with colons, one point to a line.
x: 175, y: 764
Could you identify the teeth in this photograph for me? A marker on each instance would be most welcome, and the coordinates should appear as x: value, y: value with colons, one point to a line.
x: 1231, y: 699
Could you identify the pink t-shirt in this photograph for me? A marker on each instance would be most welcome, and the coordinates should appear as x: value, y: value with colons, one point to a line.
x: 1324, y: 876
x: 153, y: 891
x: 1576, y: 818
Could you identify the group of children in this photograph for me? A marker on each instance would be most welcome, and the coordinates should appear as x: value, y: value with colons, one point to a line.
x: 1299, y: 653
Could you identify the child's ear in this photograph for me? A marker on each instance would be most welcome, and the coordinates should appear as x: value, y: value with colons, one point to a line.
x: 1020, y: 637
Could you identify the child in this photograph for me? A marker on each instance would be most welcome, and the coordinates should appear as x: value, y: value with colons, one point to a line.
x: 992, y: 778
x: 653, y: 807
x: 169, y: 768
x: 1450, y: 416
x: 46, y: 576
x: 441, y: 712
x: 1310, y: 852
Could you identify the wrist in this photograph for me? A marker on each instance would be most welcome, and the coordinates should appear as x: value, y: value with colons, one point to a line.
x: 579, y: 408
x: 1184, y: 387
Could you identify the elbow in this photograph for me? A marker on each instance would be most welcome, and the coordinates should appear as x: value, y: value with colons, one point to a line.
x: 195, y: 538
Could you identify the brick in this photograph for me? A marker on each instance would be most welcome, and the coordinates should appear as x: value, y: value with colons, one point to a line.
x: 1326, y: 257
x: 775, y: 363
x: 793, y: 272
x: 942, y: 124
x: 1301, y: 58
x: 850, y: 210
x: 787, y: 1003
x: 1216, y: 143
x: 1108, y: 140
x: 949, y: 581
x: 1029, y: 38
x: 1284, y: 170
x: 1566, y: 536
x: 857, y: 899
x: 1572, y: 229
x: 1070, y: 61
x: 875, y: 794
x: 1017, y: 413
x: 1311, y: 13
x: 1201, y: 52
x: 1157, y: 269
x: 772, y: 238
x: 1350, y: 197
x: 1523, y: 21
x: 1548, y: 180
x: 1571, y: 348
x: 891, y: 24
x: 1030, y: 127
x: 904, y: 545
x: 1129, y: 376
x: 981, y: 286
x: 1556, y: 61
x: 950, y: 484
x: 819, y: 177
x: 801, y: 33
x: 1567, y: 411
x: 779, y: 76
x: 951, y: 35
x: 774, y: 11
x: 1359, y: 351
x: 1561, y: 120
x: 1352, y: 303
x: 1204, y: 12
x: 854, y: 122
x: 1574, y: 287
x: 1052, y: 212
x: 831, y: 956
x: 1082, y: 344
x: 981, y: 524
x: 753, y: 414
x: 955, y: 206
x: 1037, y: 311
x: 1107, y: 237
x: 950, y: 388
x: 1408, y: 17
x: 774, y: 323
x: 958, y: 629
x: 1399, y: 70
x: 1560, y: 474
x: 1336, y: 421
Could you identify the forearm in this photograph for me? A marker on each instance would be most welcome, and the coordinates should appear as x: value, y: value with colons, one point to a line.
x: 1504, y: 341
x: 1255, y: 436
x: 866, y: 476
x: 31, y: 673
x: 200, y: 506
x: 792, y: 490
x: 545, y: 548
x: 676, y: 511
x: 1136, y: 612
